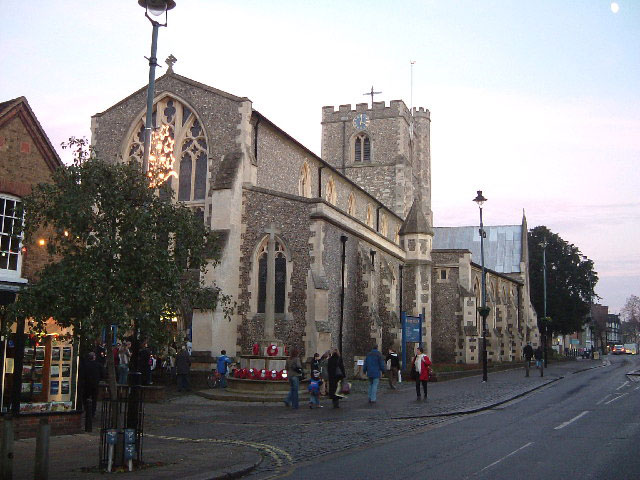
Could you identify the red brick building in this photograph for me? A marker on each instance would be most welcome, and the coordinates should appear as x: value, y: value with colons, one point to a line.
x: 38, y: 374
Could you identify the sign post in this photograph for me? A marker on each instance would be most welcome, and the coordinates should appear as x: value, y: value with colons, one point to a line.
x: 411, y: 332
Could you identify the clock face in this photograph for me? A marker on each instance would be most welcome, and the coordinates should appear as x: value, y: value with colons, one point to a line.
x: 361, y: 121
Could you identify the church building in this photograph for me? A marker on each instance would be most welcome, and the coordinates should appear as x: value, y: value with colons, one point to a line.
x: 355, y: 244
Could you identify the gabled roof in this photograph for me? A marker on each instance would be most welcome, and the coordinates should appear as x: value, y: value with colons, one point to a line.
x: 502, y: 245
x: 416, y: 221
x: 186, y: 80
x: 19, y: 107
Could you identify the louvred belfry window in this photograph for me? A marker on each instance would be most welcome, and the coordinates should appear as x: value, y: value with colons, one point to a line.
x: 191, y: 149
x: 362, y: 148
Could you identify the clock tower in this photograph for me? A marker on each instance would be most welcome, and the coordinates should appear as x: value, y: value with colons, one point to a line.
x: 384, y: 149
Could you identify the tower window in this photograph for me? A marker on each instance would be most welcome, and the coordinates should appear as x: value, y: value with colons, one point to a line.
x: 362, y: 148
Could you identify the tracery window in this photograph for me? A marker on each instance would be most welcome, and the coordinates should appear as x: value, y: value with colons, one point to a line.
x: 351, y: 205
x: 281, y: 276
x: 384, y: 225
x: 370, y: 215
x: 304, y: 184
x: 191, y: 150
x: 10, y: 236
x: 362, y: 148
x: 330, y: 191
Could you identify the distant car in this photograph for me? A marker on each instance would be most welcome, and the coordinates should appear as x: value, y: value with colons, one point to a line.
x: 618, y: 349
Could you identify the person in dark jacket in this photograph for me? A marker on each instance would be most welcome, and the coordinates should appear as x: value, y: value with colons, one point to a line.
x: 91, y: 381
x: 528, y: 355
x: 393, y: 364
x: 144, y: 363
x: 183, y: 367
x: 336, y: 373
x: 373, y: 367
x: 538, y: 355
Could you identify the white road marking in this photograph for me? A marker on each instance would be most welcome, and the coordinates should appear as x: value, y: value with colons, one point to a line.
x: 623, y: 385
x: 607, y: 396
x: 506, y: 456
x: 614, y: 399
x: 562, y: 425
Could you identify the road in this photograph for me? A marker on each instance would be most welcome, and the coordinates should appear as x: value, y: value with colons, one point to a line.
x: 585, y: 426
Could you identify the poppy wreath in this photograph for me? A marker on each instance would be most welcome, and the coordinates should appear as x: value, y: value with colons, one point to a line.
x: 273, y: 375
x: 262, y: 374
x: 256, y: 349
x: 283, y: 374
x: 272, y: 350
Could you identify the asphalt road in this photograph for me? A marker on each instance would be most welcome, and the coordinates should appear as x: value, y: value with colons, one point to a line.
x: 585, y: 426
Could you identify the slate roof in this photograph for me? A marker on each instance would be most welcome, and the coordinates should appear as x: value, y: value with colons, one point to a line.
x: 502, y: 247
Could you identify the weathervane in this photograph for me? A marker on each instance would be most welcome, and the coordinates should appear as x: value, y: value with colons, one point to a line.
x: 372, y: 93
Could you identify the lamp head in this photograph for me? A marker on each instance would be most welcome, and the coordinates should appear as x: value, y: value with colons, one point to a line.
x: 157, y: 7
x: 480, y: 199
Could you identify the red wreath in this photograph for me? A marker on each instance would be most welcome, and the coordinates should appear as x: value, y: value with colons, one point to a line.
x: 237, y: 372
x: 273, y: 374
x: 283, y: 374
x: 256, y: 349
x: 263, y: 374
x: 272, y: 350
x: 244, y: 373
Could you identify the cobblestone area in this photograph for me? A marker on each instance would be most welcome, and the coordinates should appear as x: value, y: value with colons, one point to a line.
x: 301, y: 435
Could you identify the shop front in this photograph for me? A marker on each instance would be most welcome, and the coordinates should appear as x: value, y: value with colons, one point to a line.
x: 40, y: 378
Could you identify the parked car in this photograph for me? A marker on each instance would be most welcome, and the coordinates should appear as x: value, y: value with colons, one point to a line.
x: 631, y: 348
x: 618, y: 349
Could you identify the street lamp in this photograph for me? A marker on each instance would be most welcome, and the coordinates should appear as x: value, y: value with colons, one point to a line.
x: 155, y: 8
x: 544, y: 246
x: 484, y: 311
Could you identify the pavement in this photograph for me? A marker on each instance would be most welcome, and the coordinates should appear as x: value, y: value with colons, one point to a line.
x: 194, y: 438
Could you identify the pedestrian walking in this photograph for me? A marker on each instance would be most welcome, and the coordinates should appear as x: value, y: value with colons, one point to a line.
x: 183, y: 368
x: 223, y: 362
x: 335, y: 368
x: 92, y: 377
x: 538, y: 356
x: 393, y: 367
x: 144, y: 363
x: 315, y: 382
x: 528, y: 355
x: 294, y: 373
x: 373, y: 367
x: 124, y: 356
x: 324, y: 372
x: 421, y: 363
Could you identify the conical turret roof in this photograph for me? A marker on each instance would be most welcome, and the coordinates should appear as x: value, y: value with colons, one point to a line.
x: 416, y: 221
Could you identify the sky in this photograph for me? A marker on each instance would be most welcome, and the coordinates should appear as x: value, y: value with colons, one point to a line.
x: 536, y: 103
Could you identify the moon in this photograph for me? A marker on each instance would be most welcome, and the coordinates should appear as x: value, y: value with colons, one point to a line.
x: 615, y: 7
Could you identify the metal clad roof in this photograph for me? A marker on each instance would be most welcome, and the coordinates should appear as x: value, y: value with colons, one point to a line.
x: 502, y: 248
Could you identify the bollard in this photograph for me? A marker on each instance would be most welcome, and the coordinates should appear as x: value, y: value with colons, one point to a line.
x: 6, y: 463
x: 129, y: 446
x: 88, y: 418
x: 112, y: 438
x: 41, y: 469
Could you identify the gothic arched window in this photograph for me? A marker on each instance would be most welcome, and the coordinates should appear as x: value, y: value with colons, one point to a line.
x: 330, y: 193
x: 351, y: 205
x: 281, y: 276
x: 384, y: 225
x: 370, y: 215
x: 191, y: 150
x: 362, y: 148
x: 304, y: 184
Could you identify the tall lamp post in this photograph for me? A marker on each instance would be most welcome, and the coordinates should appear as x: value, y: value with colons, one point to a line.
x: 545, y: 321
x: 155, y: 8
x: 484, y: 311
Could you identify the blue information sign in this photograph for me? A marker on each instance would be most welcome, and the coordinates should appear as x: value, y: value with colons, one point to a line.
x: 411, y: 332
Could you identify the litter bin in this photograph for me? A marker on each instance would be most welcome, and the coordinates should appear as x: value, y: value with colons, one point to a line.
x: 596, y: 355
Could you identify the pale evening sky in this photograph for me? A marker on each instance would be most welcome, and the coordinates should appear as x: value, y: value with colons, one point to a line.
x: 537, y: 103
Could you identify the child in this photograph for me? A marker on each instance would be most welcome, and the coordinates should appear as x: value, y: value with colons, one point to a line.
x: 314, y: 389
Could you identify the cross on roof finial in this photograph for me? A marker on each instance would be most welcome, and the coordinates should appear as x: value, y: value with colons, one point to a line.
x: 372, y: 93
x: 171, y: 60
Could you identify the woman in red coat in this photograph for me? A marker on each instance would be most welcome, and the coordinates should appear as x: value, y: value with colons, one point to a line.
x: 421, y: 364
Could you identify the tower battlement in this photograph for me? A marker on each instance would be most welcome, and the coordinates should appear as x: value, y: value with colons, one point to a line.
x: 377, y: 110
